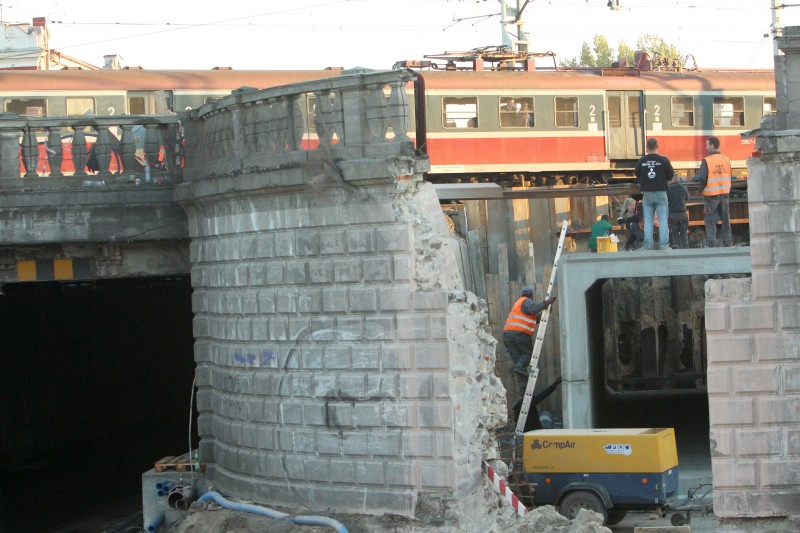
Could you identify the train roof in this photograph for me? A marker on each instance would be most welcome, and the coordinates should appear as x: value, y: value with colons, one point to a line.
x: 706, y: 80
x: 571, y: 79
x: 65, y: 80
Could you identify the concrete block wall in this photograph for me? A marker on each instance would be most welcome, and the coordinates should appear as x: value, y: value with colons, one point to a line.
x: 326, y: 380
x: 341, y: 367
x: 753, y: 329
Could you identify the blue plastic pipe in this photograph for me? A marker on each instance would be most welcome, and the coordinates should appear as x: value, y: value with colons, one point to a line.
x: 153, y: 526
x: 271, y: 513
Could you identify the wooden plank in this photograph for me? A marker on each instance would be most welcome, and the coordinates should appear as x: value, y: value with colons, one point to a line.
x: 497, y: 319
x: 502, y: 260
x: 476, y: 264
x: 177, y: 463
x: 160, y: 465
x: 586, y: 231
x: 493, y: 300
x: 170, y: 460
x: 546, y: 361
x: 520, y: 226
x: 475, y: 213
x: 514, y: 291
x: 548, y: 271
x: 530, y: 268
x: 464, y: 264
x: 497, y: 232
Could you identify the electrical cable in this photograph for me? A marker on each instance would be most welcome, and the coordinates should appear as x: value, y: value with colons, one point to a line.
x: 204, y: 24
x: 191, y: 413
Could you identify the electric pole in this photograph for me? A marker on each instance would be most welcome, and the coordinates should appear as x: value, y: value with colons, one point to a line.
x: 510, y: 16
x: 776, y: 27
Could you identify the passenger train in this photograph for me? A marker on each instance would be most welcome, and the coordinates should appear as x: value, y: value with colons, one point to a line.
x: 510, y: 127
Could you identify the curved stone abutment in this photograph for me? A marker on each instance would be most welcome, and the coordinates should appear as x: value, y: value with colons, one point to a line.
x: 341, y: 365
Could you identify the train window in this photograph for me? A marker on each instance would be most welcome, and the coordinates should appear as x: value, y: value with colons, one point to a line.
x: 80, y: 106
x: 728, y: 111
x: 147, y: 102
x: 566, y: 111
x: 634, y: 111
x: 460, y: 112
x: 136, y: 105
x: 311, y: 110
x: 614, y: 112
x: 683, y: 111
x: 516, y: 112
x: 27, y: 107
x: 311, y: 107
x: 770, y: 105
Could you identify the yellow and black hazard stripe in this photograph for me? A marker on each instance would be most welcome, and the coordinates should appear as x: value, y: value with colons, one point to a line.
x: 53, y: 269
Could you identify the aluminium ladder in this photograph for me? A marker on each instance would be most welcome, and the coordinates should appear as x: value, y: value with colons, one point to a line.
x: 541, y: 327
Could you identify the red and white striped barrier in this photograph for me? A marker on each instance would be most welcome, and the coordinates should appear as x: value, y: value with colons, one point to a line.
x: 502, y: 487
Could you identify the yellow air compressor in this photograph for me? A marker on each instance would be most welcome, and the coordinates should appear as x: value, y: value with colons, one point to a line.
x: 609, y: 471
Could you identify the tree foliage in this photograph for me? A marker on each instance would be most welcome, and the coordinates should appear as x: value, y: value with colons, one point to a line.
x: 601, y: 54
x: 654, y: 44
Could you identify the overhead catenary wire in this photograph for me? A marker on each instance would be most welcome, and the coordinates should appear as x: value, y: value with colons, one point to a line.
x: 691, y: 28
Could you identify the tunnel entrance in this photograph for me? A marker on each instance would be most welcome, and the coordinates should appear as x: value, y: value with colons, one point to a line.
x: 648, y: 360
x: 96, y: 385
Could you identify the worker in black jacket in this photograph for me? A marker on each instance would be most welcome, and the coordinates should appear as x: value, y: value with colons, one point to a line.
x: 533, y: 421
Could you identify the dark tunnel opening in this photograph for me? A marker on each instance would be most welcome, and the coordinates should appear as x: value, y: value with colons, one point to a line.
x: 96, y: 387
x: 647, y: 366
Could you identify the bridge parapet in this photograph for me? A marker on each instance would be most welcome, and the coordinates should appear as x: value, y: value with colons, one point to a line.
x: 120, y: 149
x: 336, y: 119
x: 122, y: 221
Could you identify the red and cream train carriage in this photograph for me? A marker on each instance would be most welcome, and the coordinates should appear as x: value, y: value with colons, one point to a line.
x: 485, y: 125
x: 587, y: 122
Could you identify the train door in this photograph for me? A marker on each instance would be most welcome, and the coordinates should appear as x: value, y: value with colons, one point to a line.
x: 625, y: 124
x: 149, y: 102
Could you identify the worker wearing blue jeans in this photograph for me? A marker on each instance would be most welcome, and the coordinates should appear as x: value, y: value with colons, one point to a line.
x: 653, y: 172
x: 655, y: 203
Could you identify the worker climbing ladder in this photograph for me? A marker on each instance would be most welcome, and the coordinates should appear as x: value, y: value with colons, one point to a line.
x: 533, y: 369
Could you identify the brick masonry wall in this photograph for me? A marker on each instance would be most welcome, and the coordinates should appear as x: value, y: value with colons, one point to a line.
x: 753, y: 329
x: 339, y: 360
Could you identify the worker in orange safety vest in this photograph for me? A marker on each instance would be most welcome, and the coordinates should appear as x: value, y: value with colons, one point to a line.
x: 715, y: 177
x: 520, y: 328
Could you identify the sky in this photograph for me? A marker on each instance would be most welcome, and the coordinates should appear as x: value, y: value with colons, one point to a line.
x: 315, y: 34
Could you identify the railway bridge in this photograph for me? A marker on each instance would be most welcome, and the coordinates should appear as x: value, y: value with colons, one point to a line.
x: 342, y: 365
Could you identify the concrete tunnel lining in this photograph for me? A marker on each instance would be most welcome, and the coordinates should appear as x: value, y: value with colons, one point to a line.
x: 576, y: 275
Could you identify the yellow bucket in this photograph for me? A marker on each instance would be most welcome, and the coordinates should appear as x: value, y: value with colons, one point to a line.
x: 604, y: 244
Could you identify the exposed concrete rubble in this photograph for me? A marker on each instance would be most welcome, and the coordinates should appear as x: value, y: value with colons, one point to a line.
x: 499, y: 518
x: 478, y: 395
x: 473, y: 348
x: 415, y: 202
x: 479, y: 399
x: 473, y: 357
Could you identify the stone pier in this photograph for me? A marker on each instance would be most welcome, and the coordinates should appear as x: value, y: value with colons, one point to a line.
x: 341, y: 366
x: 752, y: 327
